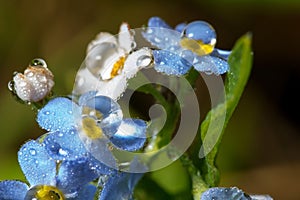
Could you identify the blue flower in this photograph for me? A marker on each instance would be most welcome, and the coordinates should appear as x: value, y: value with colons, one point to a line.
x: 233, y: 193
x: 98, y: 123
x: 185, y: 46
x: 49, y: 179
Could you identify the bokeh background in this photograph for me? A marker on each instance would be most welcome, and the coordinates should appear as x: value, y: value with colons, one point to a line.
x: 260, y: 150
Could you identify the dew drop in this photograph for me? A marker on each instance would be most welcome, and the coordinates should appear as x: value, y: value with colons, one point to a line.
x: 144, y: 61
x: 133, y: 45
x: 98, y: 57
x: 11, y: 86
x: 80, y: 81
x: 30, y: 74
x: 62, y: 152
x: 38, y: 62
x: 157, y: 40
x: 22, y: 83
x: 32, y: 152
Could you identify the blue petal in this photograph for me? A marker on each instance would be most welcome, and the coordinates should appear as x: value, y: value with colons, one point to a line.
x: 170, y: 63
x: 180, y: 27
x: 62, y: 146
x: 211, y: 65
x: 219, y: 193
x: 160, y: 34
x: 36, y: 164
x: 58, y: 114
x: 13, y: 190
x: 74, y: 174
x: 131, y: 135
x: 86, y: 96
x: 86, y: 193
x: 200, y: 30
x: 120, y: 186
x: 111, y: 113
x: 157, y: 22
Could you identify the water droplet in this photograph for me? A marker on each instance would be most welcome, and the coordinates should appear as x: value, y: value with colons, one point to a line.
x: 157, y: 40
x: 62, y: 152
x: 38, y: 62
x: 40, y: 192
x: 29, y: 74
x: 11, y: 86
x: 133, y: 45
x: 32, y: 152
x: 41, y: 78
x: 79, y: 81
x: 22, y: 83
x: 144, y: 61
x: 98, y: 57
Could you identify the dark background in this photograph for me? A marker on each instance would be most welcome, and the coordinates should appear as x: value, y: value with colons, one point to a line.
x: 260, y: 151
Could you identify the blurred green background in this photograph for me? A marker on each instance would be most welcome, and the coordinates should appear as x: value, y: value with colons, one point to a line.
x: 260, y: 150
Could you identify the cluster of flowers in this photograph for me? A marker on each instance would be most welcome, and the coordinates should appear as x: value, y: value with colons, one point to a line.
x: 75, y: 159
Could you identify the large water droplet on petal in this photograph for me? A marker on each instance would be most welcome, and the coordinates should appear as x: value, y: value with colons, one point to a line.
x: 44, y: 192
x: 144, y: 61
x: 101, y: 59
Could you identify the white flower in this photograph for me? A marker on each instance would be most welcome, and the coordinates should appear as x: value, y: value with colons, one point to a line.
x: 110, y: 62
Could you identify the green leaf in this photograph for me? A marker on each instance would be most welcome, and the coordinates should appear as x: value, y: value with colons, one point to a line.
x: 213, y: 126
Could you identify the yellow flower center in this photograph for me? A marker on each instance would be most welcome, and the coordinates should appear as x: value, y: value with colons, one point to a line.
x: 117, y: 66
x: 44, y: 192
x: 197, y: 47
x: 91, y: 129
x: 89, y: 123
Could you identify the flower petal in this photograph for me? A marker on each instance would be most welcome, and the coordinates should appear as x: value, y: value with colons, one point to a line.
x: 158, y: 22
x: 170, y: 63
x: 62, y: 146
x: 116, y: 86
x: 131, y: 135
x: 160, y: 34
x: 36, y: 164
x: 13, y: 190
x: 180, y: 27
x: 87, y: 193
x: 120, y: 186
x: 211, y: 65
x: 58, y: 114
x: 125, y: 37
x: 224, y: 193
x: 73, y: 174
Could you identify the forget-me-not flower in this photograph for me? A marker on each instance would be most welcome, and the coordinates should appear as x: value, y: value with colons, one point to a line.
x: 187, y: 45
x: 110, y: 62
x: 99, y: 123
x: 49, y: 179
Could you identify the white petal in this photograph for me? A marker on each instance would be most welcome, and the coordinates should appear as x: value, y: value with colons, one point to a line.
x: 126, y: 37
x: 137, y: 60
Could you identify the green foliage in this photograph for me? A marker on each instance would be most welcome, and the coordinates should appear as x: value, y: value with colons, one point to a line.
x: 240, y: 62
